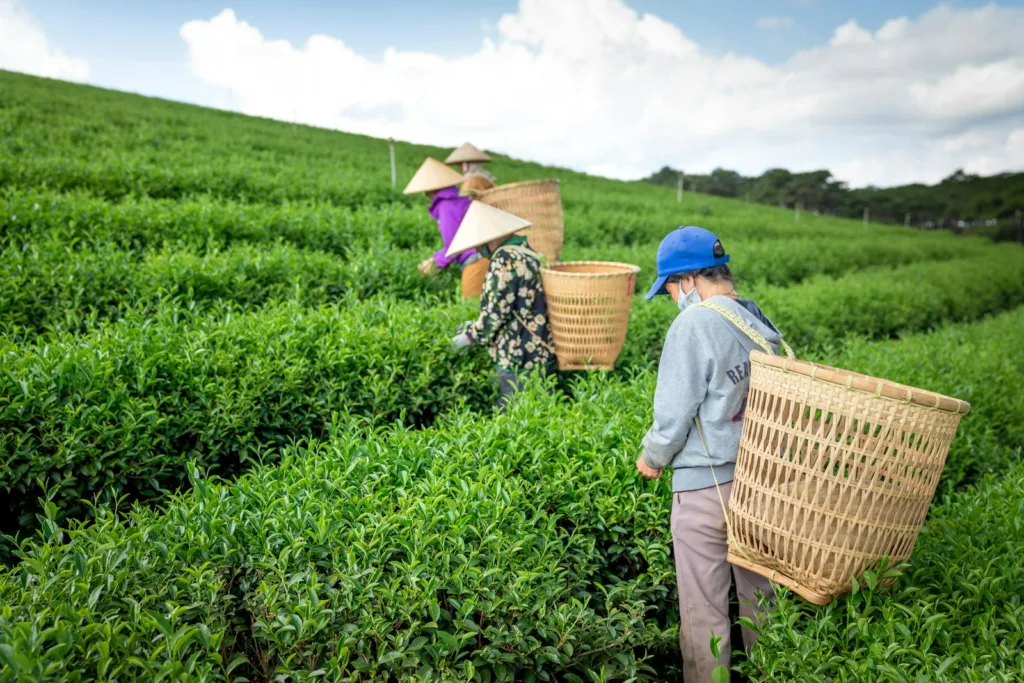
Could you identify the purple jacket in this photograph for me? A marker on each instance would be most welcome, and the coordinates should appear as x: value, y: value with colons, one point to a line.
x: 448, y: 209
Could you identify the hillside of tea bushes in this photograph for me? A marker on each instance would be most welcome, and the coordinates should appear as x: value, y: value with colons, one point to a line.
x: 235, y: 445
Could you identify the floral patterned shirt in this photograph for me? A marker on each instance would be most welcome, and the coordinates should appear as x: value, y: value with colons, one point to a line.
x: 513, y: 320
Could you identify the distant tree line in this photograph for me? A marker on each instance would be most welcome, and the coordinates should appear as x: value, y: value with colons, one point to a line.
x: 988, y: 204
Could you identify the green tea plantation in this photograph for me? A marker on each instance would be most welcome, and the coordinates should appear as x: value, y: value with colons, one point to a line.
x: 235, y: 446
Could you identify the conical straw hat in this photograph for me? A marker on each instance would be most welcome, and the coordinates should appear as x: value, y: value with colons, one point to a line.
x: 483, y: 223
x: 432, y: 175
x: 465, y: 154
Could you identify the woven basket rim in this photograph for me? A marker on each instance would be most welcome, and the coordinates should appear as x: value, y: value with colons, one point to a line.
x: 627, y: 269
x: 521, y: 183
x: 863, y: 383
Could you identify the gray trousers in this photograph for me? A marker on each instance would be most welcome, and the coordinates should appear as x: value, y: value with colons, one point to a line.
x: 509, y: 383
x: 700, y: 544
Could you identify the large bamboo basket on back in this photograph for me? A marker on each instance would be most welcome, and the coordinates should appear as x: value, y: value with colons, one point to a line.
x: 588, y: 307
x: 835, y: 471
x: 538, y: 201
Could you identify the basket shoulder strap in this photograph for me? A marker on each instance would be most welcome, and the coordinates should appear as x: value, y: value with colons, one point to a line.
x: 536, y: 338
x: 739, y: 322
x: 746, y: 329
x: 758, y: 339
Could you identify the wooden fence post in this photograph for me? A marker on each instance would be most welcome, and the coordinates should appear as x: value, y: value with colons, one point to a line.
x: 391, y: 147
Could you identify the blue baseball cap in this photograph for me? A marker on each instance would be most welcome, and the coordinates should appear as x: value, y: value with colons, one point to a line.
x: 684, y: 250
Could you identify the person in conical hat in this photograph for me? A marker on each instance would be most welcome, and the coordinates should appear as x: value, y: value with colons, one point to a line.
x: 513, y: 321
x: 448, y: 208
x: 471, y: 159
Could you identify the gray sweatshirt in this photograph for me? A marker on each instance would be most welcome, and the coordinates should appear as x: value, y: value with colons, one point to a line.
x: 704, y: 371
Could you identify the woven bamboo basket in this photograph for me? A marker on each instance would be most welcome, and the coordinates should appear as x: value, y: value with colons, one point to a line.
x: 588, y: 307
x: 835, y: 472
x: 538, y: 201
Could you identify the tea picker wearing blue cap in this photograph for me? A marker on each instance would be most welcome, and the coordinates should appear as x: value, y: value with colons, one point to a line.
x: 699, y: 404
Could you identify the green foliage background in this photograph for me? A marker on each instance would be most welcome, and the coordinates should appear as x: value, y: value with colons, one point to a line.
x: 984, y: 205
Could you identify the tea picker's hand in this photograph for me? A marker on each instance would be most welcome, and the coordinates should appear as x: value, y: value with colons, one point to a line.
x: 647, y: 471
x: 427, y: 267
x: 461, y: 343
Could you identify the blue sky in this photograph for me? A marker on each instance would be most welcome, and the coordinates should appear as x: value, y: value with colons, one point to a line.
x: 595, y: 85
x: 134, y: 45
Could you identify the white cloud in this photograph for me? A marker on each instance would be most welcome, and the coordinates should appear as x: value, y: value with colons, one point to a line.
x: 894, y: 29
x: 595, y: 85
x: 773, y: 23
x: 850, y: 34
x: 24, y: 48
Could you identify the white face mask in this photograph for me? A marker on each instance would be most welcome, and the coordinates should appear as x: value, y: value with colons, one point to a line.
x: 687, y: 300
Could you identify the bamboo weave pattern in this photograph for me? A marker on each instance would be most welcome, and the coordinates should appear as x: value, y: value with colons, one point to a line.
x: 538, y: 201
x: 835, y: 471
x: 588, y: 307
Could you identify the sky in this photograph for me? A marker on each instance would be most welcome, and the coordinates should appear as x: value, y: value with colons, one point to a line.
x: 880, y: 93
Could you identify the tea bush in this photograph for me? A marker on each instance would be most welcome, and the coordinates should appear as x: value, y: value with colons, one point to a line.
x: 132, y: 147
x: 83, y: 413
x: 877, y: 303
x: 31, y: 216
x: 138, y: 149
x: 143, y: 224
x: 882, y: 303
x: 594, y: 219
x: 50, y: 275
x: 789, y: 261
x: 425, y: 555
x: 50, y: 286
x: 122, y: 410
x: 479, y: 549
